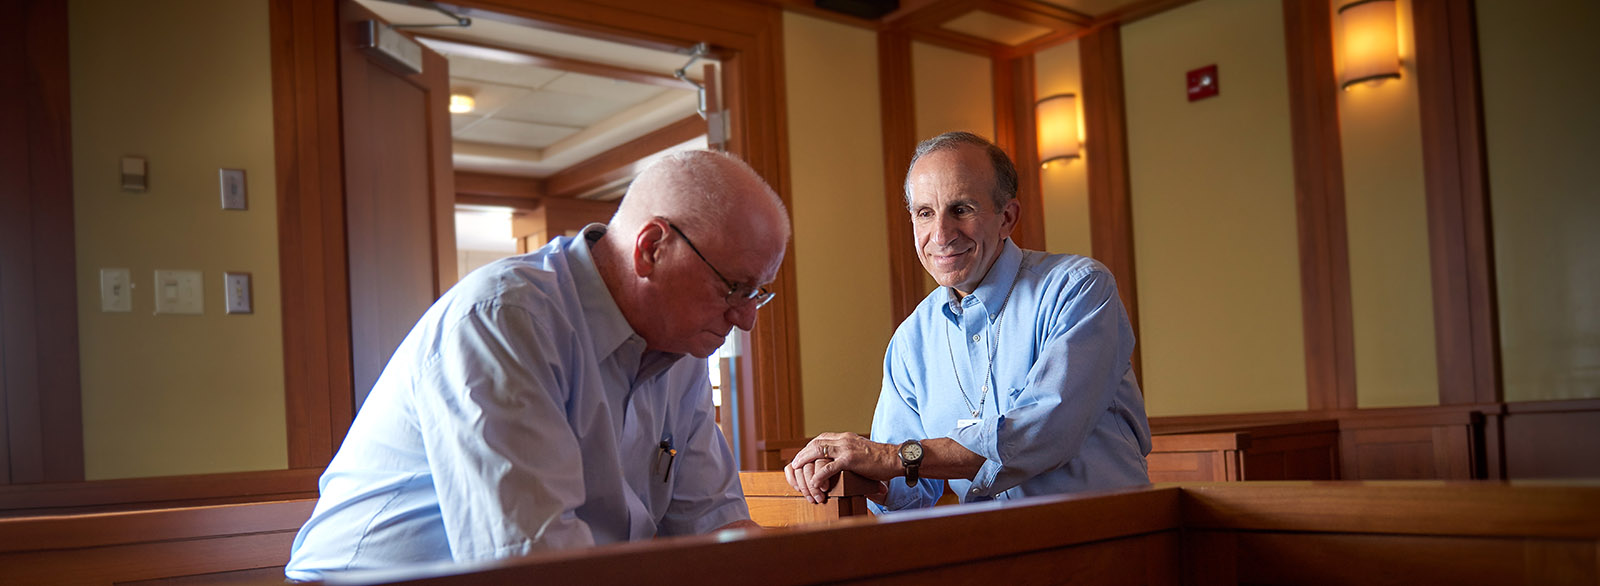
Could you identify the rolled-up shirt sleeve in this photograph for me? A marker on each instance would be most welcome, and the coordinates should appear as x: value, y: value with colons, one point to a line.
x: 896, y: 420
x: 504, y: 460
x: 1073, y: 381
x: 705, y: 484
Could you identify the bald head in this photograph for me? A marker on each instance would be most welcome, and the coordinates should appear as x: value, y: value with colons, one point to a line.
x: 702, y: 192
x: 693, y: 242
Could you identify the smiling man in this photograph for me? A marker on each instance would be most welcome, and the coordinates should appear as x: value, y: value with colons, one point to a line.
x: 559, y: 399
x: 1013, y: 378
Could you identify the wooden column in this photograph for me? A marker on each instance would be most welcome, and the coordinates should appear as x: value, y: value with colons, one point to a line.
x: 41, y: 437
x: 899, y: 144
x: 1015, y: 132
x: 1106, y: 154
x: 1466, y: 328
x: 1319, y: 206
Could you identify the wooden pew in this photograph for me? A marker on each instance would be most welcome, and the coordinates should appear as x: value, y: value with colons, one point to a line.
x: 773, y: 504
x: 1295, y: 450
x: 1228, y: 533
x: 223, y: 542
x: 234, y: 542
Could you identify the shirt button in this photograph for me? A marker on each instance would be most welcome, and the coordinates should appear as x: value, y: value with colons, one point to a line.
x: 976, y: 337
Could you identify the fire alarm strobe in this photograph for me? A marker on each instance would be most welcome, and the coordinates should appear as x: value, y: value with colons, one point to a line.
x: 1202, y: 83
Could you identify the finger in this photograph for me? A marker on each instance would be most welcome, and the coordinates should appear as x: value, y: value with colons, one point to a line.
x: 788, y: 476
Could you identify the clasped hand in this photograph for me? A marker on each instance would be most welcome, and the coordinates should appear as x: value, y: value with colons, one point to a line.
x: 814, y: 468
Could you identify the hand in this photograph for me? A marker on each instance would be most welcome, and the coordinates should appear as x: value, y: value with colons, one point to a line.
x: 814, y: 468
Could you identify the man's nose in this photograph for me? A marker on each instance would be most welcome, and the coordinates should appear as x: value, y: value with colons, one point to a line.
x: 944, y: 230
x: 743, y: 315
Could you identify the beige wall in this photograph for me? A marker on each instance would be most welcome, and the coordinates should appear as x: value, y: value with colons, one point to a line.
x: 186, y: 84
x: 841, y: 254
x: 952, y: 90
x: 1541, y: 86
x: 1065, y: 184
x: 1214, y: 211
x: 1391, y: 279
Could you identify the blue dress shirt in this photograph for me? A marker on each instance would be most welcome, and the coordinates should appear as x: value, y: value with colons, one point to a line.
x: 522, y: 413
x: 1061, y: 411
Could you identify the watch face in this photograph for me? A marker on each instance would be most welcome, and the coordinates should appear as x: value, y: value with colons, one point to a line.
x: 911, y: 452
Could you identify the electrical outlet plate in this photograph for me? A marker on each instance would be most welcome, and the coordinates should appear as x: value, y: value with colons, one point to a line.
x: 236, y: 290
x: 116, y: 290
x: 179, y: 292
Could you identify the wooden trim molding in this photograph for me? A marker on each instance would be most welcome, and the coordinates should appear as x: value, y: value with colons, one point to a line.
x: 41, y: 427
x: 1106, y: 154
x: 1015, y: 131
x: 569, y: 64
x: 165, y: 491
x: 311, y: 233
x: 898, y: 111
x: 491, y: 185
x: 1466, y: 327
x: 1319, y: 207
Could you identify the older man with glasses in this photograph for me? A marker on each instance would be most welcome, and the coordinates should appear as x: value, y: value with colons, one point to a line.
x: 548, y: 401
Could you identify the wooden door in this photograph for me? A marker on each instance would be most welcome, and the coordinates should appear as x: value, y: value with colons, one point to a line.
x: 399, y: 193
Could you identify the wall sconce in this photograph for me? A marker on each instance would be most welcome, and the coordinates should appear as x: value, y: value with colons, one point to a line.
x: 1371, y: 44
x: 1057, y: 119
x: 462, y: 103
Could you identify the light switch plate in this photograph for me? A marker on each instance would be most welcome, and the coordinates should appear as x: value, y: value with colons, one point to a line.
x: 179, y: 292
x: 134, y: 174
x: 234, y: 195
x: 116, y: 292
x: 236, y: 290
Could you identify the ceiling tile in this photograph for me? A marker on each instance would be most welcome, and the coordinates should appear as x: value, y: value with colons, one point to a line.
x: 511, y: 132
x: 602, y: 87
x: 560, y: 108
x: 993, y: 27
x: 527, y: 76
x: 1091, y: 7
x: 487, y: 97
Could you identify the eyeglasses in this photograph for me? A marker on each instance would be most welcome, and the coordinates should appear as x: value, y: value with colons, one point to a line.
x: 737, y: 292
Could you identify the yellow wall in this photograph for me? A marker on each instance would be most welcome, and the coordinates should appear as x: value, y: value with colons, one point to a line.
x: 841, y: 254
x: 1541, y: 86
x: 952, y: 90
x: 186, y: 84
x: 1065, y: 184
x: 1391, y: 279
x: 1214, y: 211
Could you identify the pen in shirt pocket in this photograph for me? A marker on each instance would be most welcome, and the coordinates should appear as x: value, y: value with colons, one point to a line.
x: 671, y: 454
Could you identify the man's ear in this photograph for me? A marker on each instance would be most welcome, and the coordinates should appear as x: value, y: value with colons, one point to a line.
x: 647, y: 248
x: 1009, y: 214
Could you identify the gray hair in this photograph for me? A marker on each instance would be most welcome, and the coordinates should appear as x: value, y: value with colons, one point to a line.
x: 1005, y: 173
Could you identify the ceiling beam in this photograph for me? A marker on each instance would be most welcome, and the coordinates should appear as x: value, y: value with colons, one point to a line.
x: 618, y: 163
x: 567, y: 64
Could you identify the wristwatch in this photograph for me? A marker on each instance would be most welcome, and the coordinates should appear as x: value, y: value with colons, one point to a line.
x: 911, y: 459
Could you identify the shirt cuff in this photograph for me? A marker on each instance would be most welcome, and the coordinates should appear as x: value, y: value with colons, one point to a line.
x: 733, y: 510
x: 982, y: 438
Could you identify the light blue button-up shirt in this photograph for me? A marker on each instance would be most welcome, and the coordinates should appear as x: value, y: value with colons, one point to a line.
x: 1061, y: 410
x: 522, y: 413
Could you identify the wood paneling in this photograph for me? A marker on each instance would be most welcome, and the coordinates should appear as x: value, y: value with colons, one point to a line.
x: 490, y: 185
x: 1017, y: 133
x: 1454, y: 179
x: 1412, y: 443
x: 1552, y: 439
x: 1106, y: 154
x: 622, y: 162
x: 311, y: 232
x: 774, y: 504
x: 148, y: 545
x: 1319, y: 207
x: 1286, y: 558
x: 157, y: 492
x: 41, y: 429
x: 1305, y: 450
x: 899, y: 115
x: 399, y: 199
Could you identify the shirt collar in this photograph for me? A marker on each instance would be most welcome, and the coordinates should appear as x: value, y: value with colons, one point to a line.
x: 609, y: 328
x: 992, y: 291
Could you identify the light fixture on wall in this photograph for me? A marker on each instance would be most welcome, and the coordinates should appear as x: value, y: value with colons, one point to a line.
x: 1057, y: 119
x: 462, y: 103
x: 1370, y: 44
